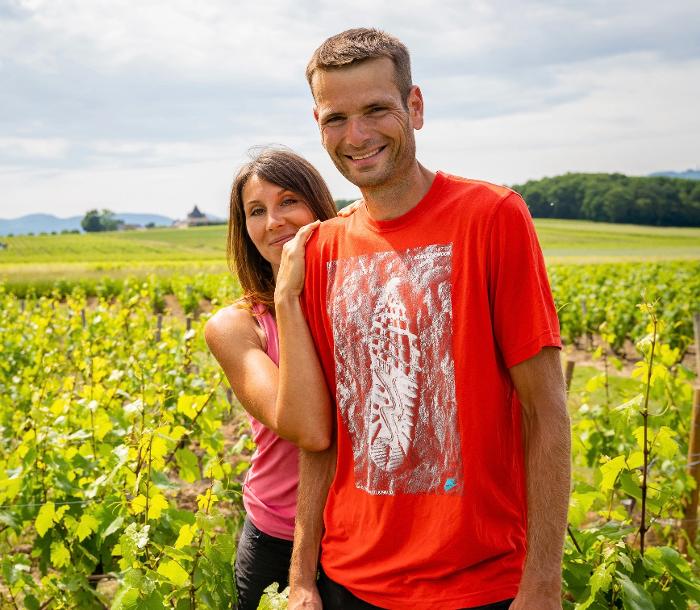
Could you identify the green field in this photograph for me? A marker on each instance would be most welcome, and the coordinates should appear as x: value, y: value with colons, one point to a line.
x: 200, y: 244
x: 572, y: 241
x: 203, y: 250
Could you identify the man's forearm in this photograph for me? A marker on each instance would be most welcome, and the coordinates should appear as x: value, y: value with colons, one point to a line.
x: 540, y: 385
x: 548, y: 468
x: 316, y: 471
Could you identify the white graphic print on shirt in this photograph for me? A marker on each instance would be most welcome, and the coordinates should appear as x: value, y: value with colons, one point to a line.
x: 391, y: 314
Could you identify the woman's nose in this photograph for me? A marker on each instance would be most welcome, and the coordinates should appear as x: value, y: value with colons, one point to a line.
x: 274, y: 219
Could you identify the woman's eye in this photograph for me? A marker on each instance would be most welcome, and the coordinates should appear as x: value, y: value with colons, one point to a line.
x: 256, y: 212
x: 289, y: 201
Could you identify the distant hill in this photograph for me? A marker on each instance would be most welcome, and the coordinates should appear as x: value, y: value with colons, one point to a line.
x: 46, y: 223
x: 689, y: 174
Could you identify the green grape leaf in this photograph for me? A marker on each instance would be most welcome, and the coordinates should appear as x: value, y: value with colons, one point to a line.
x: 87, y: 525
x: 159, y: 446
x: 665, y: 444
x: 184, y: 405
x: 189, y: 465
x: 45, y: 519
x: 173, y: 572
x: 610, y: 470
x: 126, y: 599
x: 113, y: 527
x: 60, y: 556
x: 635, y: 460
x: 579, y: 506
x: 633, y: 594
x: 156, y: 505
x: 185, y: 536
x: 630, y: 484
x: 138, y: 504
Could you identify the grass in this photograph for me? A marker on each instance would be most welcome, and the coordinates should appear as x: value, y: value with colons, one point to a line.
x: 196, y: 244
x: 586, y: 242
x: 203, y: 249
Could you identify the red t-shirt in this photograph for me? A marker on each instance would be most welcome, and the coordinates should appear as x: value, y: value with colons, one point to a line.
x: 416, y: 321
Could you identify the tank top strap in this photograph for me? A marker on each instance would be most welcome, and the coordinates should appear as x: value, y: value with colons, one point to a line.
x: 267, y: 322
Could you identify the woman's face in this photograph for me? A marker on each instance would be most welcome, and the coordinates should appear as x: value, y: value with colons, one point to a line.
x: 273, y: 215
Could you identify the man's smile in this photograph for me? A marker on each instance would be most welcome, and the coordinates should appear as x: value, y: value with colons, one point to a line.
x: 366, y: 155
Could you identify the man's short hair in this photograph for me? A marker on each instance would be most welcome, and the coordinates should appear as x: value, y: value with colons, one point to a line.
x: 358, y: 45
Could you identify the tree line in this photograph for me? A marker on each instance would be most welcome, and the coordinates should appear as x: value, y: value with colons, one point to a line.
x: 658, y: 201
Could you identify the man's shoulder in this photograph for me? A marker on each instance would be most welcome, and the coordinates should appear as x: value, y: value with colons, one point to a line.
x: 472, y: 187
x: 326, y: 234
x: 330, y: 229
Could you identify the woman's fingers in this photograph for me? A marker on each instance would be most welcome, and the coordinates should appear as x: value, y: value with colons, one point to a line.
x: 290, y: 277
x: 298, y: 242
x: 350, y: 209
x: 305, y: 232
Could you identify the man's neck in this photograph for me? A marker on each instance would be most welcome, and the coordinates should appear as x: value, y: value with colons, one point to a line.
x: 395, y: 199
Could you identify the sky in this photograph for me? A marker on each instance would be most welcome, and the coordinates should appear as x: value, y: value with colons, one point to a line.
x: 152, y: 105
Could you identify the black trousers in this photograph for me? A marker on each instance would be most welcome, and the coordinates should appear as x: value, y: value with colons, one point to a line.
x: 337, y: 597
x: 261, y: 559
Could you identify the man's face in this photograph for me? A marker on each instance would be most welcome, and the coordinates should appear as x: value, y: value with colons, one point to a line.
x: 364, y: 125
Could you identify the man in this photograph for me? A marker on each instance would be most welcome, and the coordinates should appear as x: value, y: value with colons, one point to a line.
x: 434, y: 322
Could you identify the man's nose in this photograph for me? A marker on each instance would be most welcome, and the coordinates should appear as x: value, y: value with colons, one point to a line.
x: 357, y: 133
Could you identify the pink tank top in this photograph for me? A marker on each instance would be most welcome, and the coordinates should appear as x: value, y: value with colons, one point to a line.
x: 270, y: 487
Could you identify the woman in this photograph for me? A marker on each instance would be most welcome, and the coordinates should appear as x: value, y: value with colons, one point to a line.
x: 274, y: 197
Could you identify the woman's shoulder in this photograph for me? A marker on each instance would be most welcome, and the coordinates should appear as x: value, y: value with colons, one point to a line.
x: 232, y: 325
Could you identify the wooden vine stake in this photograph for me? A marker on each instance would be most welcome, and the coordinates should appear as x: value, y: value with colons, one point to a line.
x: 690, y: 516
x: 569, y: 374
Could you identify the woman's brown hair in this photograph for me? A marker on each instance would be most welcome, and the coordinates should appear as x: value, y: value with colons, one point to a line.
x: 291, y: 172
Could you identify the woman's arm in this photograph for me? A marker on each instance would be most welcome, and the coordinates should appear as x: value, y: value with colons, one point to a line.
x: 291, y: 400
x: 235, y: 339
x: 303, y: 408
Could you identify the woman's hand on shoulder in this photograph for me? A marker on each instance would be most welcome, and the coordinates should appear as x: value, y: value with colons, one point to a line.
x: 290, y: 277
x: 350, y: 209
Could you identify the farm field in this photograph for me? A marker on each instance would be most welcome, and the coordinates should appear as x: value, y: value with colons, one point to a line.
x: 565, y: 238
x: 202, y: 249
x: 122, y: 452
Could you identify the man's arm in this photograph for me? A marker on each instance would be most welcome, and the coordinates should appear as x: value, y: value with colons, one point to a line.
x: 547, y: 438
x: 316, y: 472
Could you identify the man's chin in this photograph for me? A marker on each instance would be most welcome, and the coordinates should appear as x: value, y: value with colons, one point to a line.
x: 366, y: 179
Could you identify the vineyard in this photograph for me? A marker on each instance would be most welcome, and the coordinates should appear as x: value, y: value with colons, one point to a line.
x: 122, y: 451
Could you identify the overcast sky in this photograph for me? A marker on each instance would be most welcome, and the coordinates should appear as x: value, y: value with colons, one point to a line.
x: 149, y: 106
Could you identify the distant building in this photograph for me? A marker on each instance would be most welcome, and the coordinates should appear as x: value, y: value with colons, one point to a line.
x: 196, y: 218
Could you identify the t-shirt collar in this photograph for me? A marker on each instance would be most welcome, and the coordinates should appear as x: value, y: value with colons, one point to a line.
x: 394, y: 224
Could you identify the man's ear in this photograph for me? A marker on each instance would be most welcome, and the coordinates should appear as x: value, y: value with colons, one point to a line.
x: 415, y: 106
x: 315, y: 114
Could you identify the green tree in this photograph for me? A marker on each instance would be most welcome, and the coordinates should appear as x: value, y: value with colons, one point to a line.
x: 95, y: 221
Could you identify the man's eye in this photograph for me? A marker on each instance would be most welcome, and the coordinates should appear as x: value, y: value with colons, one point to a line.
x: 333, y: 120
x: 377, y: 109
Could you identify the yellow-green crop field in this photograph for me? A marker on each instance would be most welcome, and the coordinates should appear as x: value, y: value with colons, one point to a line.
x: 122, y: 452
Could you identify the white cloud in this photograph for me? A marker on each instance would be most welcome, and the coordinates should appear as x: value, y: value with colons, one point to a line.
x: 33, y: 148
x: 151, y: 94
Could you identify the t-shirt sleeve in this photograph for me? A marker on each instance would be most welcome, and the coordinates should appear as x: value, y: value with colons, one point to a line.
x: 522, y: 308
x: 313, y: 305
